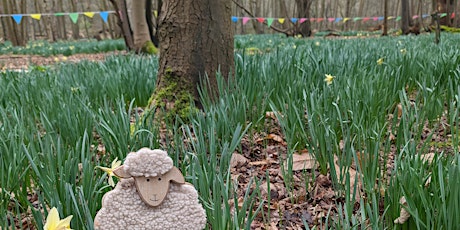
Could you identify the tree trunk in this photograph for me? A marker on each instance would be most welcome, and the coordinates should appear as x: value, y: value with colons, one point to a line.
x: 405, y: 17
x: 139, y: 25
x: 303, y: 11
x: 385, y: 18
x: 195, y: 39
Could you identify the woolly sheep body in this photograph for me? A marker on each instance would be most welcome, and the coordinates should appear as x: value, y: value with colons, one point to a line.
x: 123, y: 209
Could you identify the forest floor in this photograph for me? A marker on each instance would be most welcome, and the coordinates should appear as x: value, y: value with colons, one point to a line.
x: 289, y: 207
x: 20, y: 62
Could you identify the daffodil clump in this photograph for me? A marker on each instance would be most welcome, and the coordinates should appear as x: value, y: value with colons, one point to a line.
x: 53, y: 221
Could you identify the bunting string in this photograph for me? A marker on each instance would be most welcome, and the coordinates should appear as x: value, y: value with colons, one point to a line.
x: 72, y: 15
x: 269, y: 21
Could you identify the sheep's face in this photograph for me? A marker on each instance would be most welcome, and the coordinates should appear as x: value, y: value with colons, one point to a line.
x: 153, y: 190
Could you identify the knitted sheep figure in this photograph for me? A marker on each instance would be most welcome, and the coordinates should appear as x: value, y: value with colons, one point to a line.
x: 151, y: 194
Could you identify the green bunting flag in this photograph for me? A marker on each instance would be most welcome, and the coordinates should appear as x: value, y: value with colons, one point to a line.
x: 74, y: 17
x: 269, y: 21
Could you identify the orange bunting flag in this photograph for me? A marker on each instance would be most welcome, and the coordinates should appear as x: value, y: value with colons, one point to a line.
x: 89, y: 14
x: 36, y: 16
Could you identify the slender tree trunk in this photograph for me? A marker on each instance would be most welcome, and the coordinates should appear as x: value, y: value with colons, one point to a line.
x: 139, y: 25
x: 385, y: 18
x: 195, y: 39
x: 75, y: 26
x: 405, y: 17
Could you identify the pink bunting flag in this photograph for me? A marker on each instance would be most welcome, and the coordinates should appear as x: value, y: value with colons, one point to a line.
x: 375, y: 18
x: 245, y: 20
x: 302, y: 20
x: 331, y: 19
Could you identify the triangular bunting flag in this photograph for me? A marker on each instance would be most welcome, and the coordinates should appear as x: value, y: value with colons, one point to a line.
x: 234, y: 19
x: 375, y: 18
x: 312, y: 19
x: 338, y: 19
x: 443, y: 15
x: 104, y: 15
x: 356, y: 19
x: 380, y: 18
x: 398, y: 18
x: 346, y: 19
x: 302, y: 20
x: 155, y: 13
x: 320, y: 19
x: 245, y: 20
x: 425, y: 15
x: 366, y: 19
x: 269, y: 21
x: 36, y: 16
x: 452, y: 16
x: 331, y: 19
x: 415, y: 17
x: 281, y: 20
x: 73, y: 17
x: 261, y: 20
x: 294, y: 20
x: 17, y: 18
x: 391, y: 17
x: 89, y: 14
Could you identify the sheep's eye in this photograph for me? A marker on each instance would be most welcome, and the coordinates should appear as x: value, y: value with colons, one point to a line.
x: 159, y: 178
x: 148, y: 179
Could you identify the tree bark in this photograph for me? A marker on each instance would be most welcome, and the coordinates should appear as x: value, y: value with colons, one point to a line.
x: 385, y: 18
x: 303, y: 11
x: 405, y: 17
x: 195, y: 39
x: 139, y: 25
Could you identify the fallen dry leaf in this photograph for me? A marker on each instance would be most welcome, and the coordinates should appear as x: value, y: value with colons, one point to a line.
x: 302, y: 161
x: 237, y: 159
x: 403, y: 215
x: 275, y: 137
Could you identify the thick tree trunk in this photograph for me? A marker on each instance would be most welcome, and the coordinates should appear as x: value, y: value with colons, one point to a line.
x: 195, y: 39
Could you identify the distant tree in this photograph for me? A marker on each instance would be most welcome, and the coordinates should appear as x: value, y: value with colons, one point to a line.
x: 385, y: 18
x: 405, y: 17
x: 136, y: 29
x: 303, y: 11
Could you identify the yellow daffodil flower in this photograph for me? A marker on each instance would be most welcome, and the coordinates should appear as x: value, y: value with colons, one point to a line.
x: 329, y: 78
x: 53, y: 222
x: 109, y: 171
x: 380, y: 61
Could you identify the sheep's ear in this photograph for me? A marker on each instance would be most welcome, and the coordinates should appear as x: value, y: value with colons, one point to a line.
x: 175, y: 175
x: 120, y: 172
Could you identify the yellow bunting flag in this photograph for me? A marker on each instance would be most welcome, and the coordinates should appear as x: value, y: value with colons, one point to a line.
x: 346, y: 19
x: 155, y: 13
x: 281, y: 20
x: 36, y: 16
x: 89, y: 14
